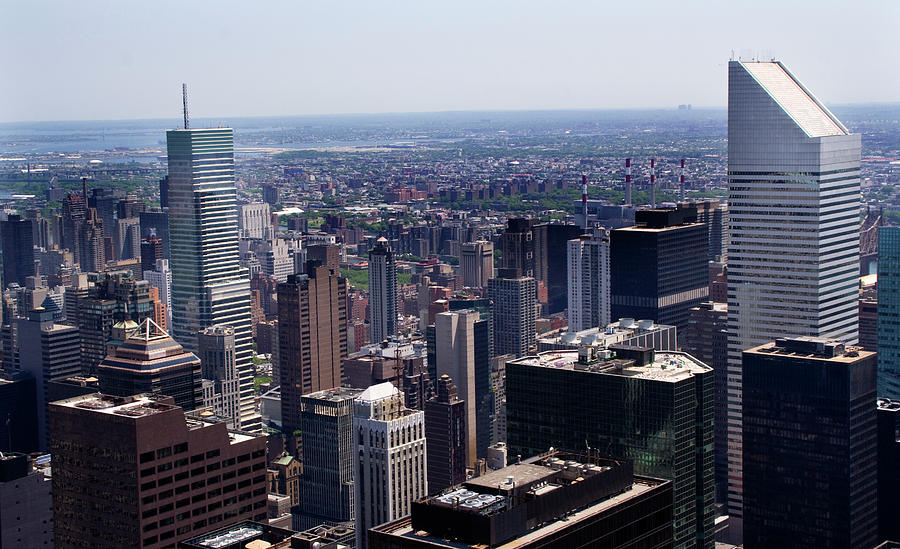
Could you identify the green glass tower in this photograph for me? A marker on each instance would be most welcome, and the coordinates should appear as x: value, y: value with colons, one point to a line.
x: 889, y: 312
x: 654, y: 409
x: 208, y: 285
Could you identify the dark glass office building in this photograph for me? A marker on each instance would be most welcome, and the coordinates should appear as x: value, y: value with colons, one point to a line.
x: 445, y: 437
x: 626, y: 402
x: 809, y: 453
x: 888, y: 469
x: 659, y: 268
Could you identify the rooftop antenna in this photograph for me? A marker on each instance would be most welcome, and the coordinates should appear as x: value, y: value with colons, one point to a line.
x: 187, y: 121
x: 681, y: 174
x: 652, y: 183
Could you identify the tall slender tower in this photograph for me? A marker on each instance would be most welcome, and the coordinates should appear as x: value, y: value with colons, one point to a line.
x: 208, y: 285
x: 793, y: 186
x: 589, y: 282
x: 312, y: 336
x: 382, y: 292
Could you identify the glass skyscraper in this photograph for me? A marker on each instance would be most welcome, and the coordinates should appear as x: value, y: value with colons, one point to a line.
x: 793, y: 201
x: 889, y: 312
x: 208, y: 285
x: 655, y: 409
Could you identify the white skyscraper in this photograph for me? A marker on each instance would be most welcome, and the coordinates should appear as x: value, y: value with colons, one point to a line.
x: 793, y: 201
x: 161, y: 279
x: 382, y: 292
x: 589, y: 282
x: 389, y: 469
x: 208, y: 285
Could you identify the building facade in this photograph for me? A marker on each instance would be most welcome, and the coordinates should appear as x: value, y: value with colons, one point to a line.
x: 389, y: 468
x: 167, y: 476
x: 218, y: 370
x: 655, y: 409
x: 889, y: 312
x: 476, y: 263
x: 445, y: 437
x: 658, y: 268
x: 326, y: 421
x: 312, y: 337
x: 26, y: 503
x: 150, y: 361
x: 208, y: 285
x: 810, y: 439
x: 793, y: 206
x: 383, y: 308
x: 514, y: 299
x: 589, y: 281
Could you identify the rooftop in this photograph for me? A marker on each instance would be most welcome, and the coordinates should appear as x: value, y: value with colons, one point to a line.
x: 378, y: 392
x: 337, y: 394
x: 669, y: 366
x: 522, y: 503
x: 144, y: 405
x: 813, y: 348
x: 794, y: 99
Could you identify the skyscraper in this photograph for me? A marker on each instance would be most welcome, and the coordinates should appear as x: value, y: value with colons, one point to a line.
x: 383, y: 307
x: 889, y: 312
x: 49, y: 352
x: 519, y: 246
x: 390, y: 463
x: 221, y: 386
x: 589, y: 282
x: 166, y: 475
x: 793, y: 206
x: 654, y: 409
x: 312, y: 337
x: 160, y: 277
x: 114, y: 298
x: 810, y: 439
x: 455, y: 357
x: 208, y: 285
x: 149, y: 361
x: 445, y: 436
x: 26, y: 503
x: 18, y: 250
x: 551, y: 261
x: 514, y: 298
x: 659, y: 267
x: 476, y: 263
x: 326, y: 420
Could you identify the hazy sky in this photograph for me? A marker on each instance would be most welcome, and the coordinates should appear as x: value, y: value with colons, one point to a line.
x: 86, y: 60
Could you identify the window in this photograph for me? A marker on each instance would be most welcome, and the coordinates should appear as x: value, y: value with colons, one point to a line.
x: 146, y: 456
x: 180, y: 448
x: 164, y: 452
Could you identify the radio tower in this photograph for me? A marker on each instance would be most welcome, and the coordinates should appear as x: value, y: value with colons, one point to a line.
x: 584, y: 200
x: 652, y: 183
x: 627, y: 181
x: 681, y: 174
x: 187, y: 124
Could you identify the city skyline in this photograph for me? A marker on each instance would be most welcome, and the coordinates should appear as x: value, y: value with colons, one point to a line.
x: 412, y: 58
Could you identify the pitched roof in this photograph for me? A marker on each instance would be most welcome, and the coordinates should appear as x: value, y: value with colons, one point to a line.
x: 793, y: 97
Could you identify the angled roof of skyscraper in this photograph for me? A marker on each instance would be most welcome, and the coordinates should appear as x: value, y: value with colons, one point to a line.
x: 793, y: 97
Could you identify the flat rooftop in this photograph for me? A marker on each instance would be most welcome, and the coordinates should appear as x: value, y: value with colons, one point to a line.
x: 405, y: 529
x: 338, y: 394
x: 147, y: 405
x: 813, y: 349
x: 670, y: 366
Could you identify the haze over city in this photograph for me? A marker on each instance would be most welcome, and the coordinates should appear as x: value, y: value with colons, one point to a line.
x: 103, y: 60
x: 412, y: 276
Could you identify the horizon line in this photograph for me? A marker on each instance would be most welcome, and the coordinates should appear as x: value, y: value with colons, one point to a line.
x: 402, y: 113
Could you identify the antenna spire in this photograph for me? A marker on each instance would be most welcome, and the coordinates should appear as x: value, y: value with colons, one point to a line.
x: 187, y: 120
